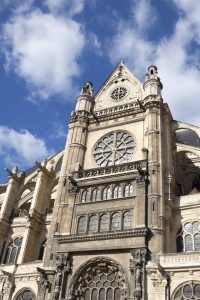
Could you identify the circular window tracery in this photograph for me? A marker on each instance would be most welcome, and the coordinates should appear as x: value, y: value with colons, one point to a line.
x: 114, y: 148
x: 188, y: 291
x: 119, y: 93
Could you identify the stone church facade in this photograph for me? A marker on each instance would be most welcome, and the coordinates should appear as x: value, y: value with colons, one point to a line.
x: 116, y: 214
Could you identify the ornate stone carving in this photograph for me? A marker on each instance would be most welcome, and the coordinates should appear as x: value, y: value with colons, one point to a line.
x: 63, y: 267
x: 96, y: 273
x: 42, y: 280
x: 137, y: 268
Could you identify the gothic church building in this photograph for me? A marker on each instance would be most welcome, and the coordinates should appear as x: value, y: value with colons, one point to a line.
x: 116, y: 214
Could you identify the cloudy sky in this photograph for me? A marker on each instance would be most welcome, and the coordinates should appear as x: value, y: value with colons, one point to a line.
x: 49, y: 48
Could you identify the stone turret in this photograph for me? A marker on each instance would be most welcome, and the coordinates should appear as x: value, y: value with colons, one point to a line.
x: 85, y: 101
x: 152, y: 85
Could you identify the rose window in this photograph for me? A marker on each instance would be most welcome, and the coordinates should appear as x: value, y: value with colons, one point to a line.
x: 119, y: 93
x: 114, y: 148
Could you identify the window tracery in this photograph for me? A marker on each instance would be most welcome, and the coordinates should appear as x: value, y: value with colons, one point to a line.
x: 101, y: 279
x: 114, y: 148
x: 188, y: 237
x: 189, y: 290
x: 13, y: 251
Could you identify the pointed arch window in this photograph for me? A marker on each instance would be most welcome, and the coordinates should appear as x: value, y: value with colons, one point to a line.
x: 117, y: 192
x: 127, y: 222
x: 81, y: 229
x: 104, y: 222
x: 107, y: 193
x: 96, y: 194
x: 42, y: 250
x: 115, y: 221
x: 128, y: 190
x: 13, y: 251
x: 93, y: 224
x: 86, y: 196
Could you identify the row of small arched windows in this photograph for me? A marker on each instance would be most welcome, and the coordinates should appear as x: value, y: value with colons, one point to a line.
x: 13, y: 250
x: 107, y: 192
x: 188, y: 237
x: 104, y: 222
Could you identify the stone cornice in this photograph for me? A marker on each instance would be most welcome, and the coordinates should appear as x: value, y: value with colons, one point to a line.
x: 102, y: 236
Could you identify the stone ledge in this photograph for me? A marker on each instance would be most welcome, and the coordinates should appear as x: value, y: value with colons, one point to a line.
x: 102, y: 236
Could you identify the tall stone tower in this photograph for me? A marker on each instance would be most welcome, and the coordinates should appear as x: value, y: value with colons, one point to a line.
x: 108, y: 219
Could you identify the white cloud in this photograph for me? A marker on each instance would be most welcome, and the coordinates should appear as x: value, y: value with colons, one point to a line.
x: 21, y: 147
x: 44, y: 51
x: 178, y: 64
x: 69, y: 7
x: 144, y: 14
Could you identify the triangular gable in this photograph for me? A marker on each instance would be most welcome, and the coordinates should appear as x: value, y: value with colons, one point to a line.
x: 121, y: 87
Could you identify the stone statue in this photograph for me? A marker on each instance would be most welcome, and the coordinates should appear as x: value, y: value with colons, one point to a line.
x: 87, y: 89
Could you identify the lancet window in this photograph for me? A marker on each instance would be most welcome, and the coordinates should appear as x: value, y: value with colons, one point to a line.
x: 107, y: 192
x: 13, y: 251
x: 127, y: 218
x: 82, y: 222
x: 188, y: 237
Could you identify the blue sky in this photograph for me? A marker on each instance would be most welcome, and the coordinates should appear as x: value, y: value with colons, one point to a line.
x: 49, y: 48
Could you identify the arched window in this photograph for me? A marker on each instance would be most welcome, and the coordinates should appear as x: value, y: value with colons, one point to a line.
x: 13, y: 251
x: 96, y: 194
x: 107, y: 193
x: 100, y: 280
x: 81, y: 225
x: 115, y: 221
x: 188, y: 237
x: 128, y: 190
x: 42, y: 249
x: 93, y: 224
x: 85, y: 196
x: 26, y: 295
x: 58, y: 165
x: 117, y: 192
x: 104, y: 222
x: 189, y: 290
x: 127, y: 220
x: 188, y: 137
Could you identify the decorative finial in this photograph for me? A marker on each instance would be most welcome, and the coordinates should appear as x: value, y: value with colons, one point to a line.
x: 87, y: 89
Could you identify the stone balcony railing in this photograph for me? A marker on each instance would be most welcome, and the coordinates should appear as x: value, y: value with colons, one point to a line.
x: 123, y: 168
x: 178, y: 260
